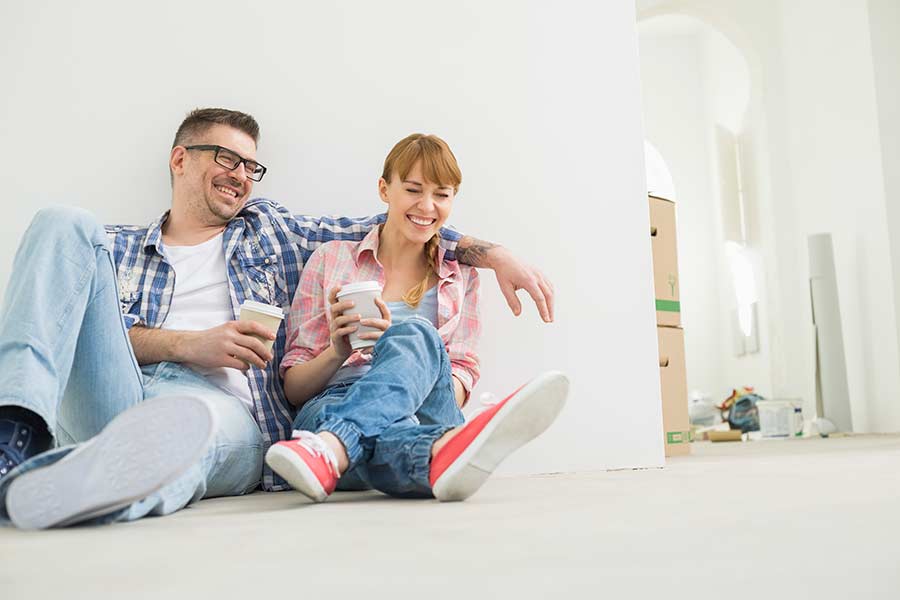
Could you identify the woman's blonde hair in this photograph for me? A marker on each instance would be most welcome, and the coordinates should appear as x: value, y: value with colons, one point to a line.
x: 438, y: 166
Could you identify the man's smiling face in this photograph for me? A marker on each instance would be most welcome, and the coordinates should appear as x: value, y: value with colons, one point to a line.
x: 211, y: 192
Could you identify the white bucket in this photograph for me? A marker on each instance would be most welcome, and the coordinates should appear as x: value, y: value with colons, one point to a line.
x: 780, y: 418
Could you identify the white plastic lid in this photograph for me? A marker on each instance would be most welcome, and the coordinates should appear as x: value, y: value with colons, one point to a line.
x: 359, y: 286
x: 266, y: 309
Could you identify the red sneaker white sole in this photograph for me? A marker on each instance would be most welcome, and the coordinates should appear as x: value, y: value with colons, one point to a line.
x: 290, y: 466
x: 520, y: 418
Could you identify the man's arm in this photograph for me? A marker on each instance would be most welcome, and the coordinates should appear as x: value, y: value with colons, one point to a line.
x: 512, y: 275
x: 233, y: 344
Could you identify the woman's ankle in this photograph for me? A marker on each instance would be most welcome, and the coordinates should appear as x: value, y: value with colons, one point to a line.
x: 442, y: 441
x: 337, y: 446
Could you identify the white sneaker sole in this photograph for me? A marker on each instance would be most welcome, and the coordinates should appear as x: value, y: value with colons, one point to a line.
x: 136, y: 454
x: 295, y: 471
x: 524, y: 417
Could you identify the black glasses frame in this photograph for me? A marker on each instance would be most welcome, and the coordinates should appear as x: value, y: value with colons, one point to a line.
x: 251, y: 174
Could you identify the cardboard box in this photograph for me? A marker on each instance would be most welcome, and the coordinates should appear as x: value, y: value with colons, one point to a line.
x: 673, y: 384
x: 665, y: 262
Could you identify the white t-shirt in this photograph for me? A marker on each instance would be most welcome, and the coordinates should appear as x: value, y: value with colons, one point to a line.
x: 201, y: 300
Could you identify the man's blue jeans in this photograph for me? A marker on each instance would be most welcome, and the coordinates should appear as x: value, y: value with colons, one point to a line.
x: 65, y: 354
x: 389, y: 419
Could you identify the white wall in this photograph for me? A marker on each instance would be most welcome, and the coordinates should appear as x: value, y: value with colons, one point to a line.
x: 817, y: 130
x: 839, y: 187
x: 884, y: 20
x: 541, y: 104
x: 727, y: 87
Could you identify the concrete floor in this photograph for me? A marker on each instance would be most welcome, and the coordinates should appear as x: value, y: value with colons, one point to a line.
x: 779, y: 519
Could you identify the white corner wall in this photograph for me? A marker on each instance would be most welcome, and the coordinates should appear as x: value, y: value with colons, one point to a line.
x: 540, y: 102
x: 838, y: 187
x: 884, y: 20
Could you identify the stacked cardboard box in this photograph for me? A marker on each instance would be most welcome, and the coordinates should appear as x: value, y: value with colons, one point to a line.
x: 672, y: 375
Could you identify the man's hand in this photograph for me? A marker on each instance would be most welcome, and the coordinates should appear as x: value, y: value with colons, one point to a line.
x: 512, y: 275
x: 236, y: 344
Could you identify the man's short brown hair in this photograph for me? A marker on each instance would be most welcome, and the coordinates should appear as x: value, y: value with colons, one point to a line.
x: 200, y: 120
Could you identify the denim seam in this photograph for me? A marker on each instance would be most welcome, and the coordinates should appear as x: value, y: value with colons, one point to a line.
x: 233, y: 445
x: 82, y: 282
x: 124, y: 327
x: 419, y: 453
x: 348, y: 434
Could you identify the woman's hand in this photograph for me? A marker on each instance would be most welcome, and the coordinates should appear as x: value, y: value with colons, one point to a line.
x: 341, y: 326
x: 381, y: 325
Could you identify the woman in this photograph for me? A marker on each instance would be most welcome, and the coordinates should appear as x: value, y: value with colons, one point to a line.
x: 390, y: 418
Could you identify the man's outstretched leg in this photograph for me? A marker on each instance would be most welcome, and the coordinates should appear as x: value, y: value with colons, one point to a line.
x: 138, y: 453
x: 187, y: 441
x: 67, y: 369
x: 66, y: 363
x: 68, y: 366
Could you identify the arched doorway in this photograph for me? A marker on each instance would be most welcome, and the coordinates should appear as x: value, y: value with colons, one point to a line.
x: 698, y: 102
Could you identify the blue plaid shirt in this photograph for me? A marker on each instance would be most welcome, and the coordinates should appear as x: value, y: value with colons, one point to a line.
x: 265, y: 248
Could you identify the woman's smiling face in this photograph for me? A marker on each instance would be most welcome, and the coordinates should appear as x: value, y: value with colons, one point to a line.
x: 417, y: 208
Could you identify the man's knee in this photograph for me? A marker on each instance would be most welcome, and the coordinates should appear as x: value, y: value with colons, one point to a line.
x: 56, y: 221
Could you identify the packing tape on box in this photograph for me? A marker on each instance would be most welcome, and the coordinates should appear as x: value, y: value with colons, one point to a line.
x: 668, y: 305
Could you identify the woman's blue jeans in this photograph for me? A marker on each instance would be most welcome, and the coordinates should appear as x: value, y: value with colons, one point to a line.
x: 389, y: 419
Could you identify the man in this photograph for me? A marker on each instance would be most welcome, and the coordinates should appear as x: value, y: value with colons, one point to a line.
x: 96, y: 321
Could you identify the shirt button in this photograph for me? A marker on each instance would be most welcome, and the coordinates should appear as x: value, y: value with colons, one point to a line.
x: 267, y: 261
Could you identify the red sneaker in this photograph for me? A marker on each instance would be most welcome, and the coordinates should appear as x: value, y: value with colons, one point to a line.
x: 307, y: 463
x: 466, y: 461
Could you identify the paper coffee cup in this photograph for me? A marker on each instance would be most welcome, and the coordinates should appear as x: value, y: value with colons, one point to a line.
x: 265, y: 314
x: 363, y: 295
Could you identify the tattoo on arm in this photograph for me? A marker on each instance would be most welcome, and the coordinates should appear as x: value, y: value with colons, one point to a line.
x: 474, y: 252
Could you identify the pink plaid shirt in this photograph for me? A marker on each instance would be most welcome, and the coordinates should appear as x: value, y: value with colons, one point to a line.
x: 337, y: 263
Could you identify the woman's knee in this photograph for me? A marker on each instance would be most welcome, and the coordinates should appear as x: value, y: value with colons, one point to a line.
x: 415, y: 330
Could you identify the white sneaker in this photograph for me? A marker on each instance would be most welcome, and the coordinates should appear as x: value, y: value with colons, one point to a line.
x: 137, y: 453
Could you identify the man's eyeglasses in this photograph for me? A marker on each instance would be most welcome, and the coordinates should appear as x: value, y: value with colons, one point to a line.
x: 230, y: 160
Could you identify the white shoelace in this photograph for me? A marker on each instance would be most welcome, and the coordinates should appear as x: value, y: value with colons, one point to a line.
x: 317, y: 446
x: 486, y: 401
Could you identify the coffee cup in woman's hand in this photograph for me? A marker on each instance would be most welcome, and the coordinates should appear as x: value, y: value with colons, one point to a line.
x: 363, y: 295
x: 379, y: 325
